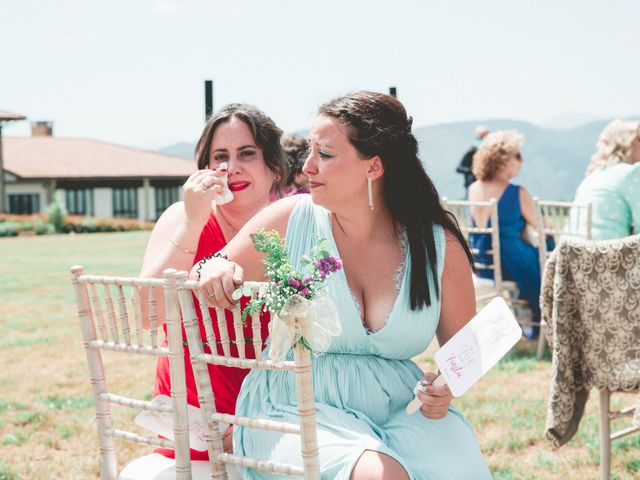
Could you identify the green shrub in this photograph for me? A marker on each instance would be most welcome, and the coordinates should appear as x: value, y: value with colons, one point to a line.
x: 57, y: 214
x: 44, y: 228
x: 12, y: 228
x: 12, y: 225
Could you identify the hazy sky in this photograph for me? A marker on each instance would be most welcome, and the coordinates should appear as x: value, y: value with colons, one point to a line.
x: 132, y: 71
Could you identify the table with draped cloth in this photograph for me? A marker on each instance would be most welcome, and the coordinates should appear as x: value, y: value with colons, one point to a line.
x: 590, y: 300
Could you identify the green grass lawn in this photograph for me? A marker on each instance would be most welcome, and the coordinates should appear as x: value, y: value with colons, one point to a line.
x: 46, y: 411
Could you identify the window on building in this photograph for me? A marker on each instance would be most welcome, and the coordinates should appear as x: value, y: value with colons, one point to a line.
x: 165, y: 196
x: 79, y: 201
x: 24, y: 203
x: 125, y: 202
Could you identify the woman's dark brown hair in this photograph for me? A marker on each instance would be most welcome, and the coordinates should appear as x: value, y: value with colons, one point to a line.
x: 265, y: 133
x: 378, y: 125
x: 296, y: 148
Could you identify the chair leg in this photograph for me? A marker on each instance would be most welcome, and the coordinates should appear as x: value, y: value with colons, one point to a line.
x: 541, y: 343
x: 605, y: 436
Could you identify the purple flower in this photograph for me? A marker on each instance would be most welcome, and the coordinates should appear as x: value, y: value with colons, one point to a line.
x: 304, y: 292
x: 307, y: 279
x: 295, y: 283
x: 327, y: 265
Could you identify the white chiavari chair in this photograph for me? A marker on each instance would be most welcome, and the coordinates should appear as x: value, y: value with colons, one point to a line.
x: 486, y: 288
x: 301, y: 366
x: 111, y: 319
x: 558, y: 219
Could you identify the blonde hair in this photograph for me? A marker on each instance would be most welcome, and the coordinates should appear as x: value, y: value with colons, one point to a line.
x: 494, y: 153
x: 614, y: 144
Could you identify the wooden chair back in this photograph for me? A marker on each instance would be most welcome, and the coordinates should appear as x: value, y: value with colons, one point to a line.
x: 461, y: 210
x: 301, y: 366
x: 557, y: 219
x: 590, y: 299
x: 111, y: 320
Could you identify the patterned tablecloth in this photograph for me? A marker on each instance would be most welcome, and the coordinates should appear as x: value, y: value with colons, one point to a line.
x: 590, y: 300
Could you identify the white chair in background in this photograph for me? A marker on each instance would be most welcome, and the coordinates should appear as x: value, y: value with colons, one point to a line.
x: 486, y: 288
x: 558, y: 219
x: 301, y: 366
x: 119, y: 327
x: 590, y: 300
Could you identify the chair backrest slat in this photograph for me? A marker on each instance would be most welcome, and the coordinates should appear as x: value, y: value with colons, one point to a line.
x: 152, y: 315
x: 137, y: 315
x: 111, y: 313
x: 97, y: 309
x: 239, y: 332
x: 124, y: 316
x: 256, y: 331
x: 201, y: 373
x: 224, y: 333
x: 206, y: 320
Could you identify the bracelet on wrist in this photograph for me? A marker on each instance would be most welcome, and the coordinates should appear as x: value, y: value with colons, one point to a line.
x: 206, y: 258
x: 181, y: 248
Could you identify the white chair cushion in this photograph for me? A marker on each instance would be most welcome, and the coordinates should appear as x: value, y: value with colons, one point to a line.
x: 159, y: 467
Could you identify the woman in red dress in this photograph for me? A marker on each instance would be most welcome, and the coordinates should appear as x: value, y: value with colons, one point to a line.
x: 249, y: 143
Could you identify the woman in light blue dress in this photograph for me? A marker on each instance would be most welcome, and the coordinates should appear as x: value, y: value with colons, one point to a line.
x: 612, y: 184
x: 406, y: 278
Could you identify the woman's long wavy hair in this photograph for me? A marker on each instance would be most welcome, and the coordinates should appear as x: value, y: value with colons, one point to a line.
x: 377, y: 124
x: 614, y: 144
x: 265, y: 133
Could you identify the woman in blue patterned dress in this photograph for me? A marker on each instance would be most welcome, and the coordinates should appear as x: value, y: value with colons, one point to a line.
x: 406, y: 278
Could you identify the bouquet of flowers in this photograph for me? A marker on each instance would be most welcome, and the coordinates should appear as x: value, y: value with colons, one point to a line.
x: 300, y: 309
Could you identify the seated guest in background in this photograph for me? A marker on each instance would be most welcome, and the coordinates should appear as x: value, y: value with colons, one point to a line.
x: 495, y: 163
x: 249, y: 143
x: 296, y: 149
x: 612, y: 184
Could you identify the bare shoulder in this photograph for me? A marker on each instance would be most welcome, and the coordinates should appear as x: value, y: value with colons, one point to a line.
x: 172, y: 216
x: 274, y: 216
x: 525, y: 197
x: 175, y: 211
x: 458, y: 298
x: 456, y: 262
x: 524, y: 193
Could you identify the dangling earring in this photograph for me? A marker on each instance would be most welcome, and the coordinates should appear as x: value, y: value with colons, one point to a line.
x: 370, y: 191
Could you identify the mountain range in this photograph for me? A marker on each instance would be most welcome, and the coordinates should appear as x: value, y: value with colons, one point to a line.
x: 554, y: 159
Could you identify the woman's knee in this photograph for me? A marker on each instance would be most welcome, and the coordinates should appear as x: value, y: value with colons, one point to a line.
x: 377, y: 466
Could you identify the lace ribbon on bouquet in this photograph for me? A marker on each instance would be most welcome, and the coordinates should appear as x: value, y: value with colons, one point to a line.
x: 315, y: 321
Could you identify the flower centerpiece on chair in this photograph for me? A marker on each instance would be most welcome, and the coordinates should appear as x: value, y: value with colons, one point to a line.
x: 301, y: 311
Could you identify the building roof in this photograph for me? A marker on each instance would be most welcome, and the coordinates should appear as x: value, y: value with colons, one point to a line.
x: 55, y: 158
x: 4, y: 115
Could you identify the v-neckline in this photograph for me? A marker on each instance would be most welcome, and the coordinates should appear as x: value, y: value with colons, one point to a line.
x: 352, y: 298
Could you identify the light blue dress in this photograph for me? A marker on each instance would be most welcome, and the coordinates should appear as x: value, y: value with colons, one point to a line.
x: 614, y: 193
x: 362, y: 385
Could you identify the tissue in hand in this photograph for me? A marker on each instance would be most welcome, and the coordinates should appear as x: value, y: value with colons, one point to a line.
x: 224, y: 195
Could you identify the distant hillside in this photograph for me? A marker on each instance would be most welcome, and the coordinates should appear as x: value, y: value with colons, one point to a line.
x: 184, y: 150
x: 554, y: 159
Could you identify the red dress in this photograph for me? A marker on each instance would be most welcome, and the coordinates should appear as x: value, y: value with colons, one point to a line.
x: 225, y: 381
